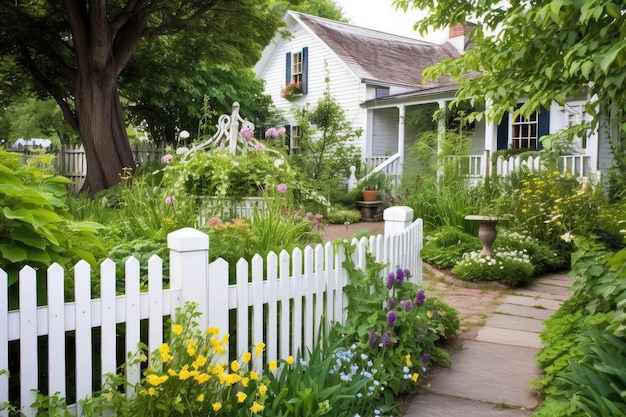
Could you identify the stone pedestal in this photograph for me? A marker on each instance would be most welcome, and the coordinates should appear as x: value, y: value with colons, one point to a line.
x: 486, y: 231
x: 369, y: 210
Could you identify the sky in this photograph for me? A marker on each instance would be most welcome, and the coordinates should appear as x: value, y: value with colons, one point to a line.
x: 381, y: 15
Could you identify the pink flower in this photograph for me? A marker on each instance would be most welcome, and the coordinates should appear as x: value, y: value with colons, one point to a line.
x: 318, y: 216
x: 271, y: 133
x: 247, y: 133
x: 167, y: 158
x: 282, y: 188
x: 259, y: 146
x: 169, y: 200
x: 214, y: 221
x: 281, y: 131
x: 309, y: 214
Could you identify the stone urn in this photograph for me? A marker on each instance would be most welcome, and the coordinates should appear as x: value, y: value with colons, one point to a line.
x: 486, y: 231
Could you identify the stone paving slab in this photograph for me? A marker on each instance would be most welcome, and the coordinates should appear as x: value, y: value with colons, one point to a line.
x: 504, y: 321
x: 509, y: 337
x: 524, y: 311
x: 489, y: 372
x: 544, y: 295
x: 556, y: 282
x: 548, y: 289
x: 532, y: 302
x: 432, y: 405
x: 561, y: 276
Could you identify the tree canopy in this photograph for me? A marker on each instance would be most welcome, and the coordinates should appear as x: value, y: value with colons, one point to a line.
x: 541, y: 50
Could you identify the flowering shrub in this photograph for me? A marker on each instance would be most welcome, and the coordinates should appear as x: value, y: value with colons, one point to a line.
x: 395, y: 323
x: 511, y: 267
x: 188, y: 377
x: 291, y: 90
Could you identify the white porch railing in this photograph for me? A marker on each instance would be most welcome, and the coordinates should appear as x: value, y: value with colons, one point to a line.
x: 279, y: 300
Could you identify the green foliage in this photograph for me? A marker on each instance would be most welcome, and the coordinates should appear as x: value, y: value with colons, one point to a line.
x: 392, y: 320
x: 35, y: 226
x: 337, y: 215
x: 511, y: 267
x: 446, y: 247
x: 326, y: 153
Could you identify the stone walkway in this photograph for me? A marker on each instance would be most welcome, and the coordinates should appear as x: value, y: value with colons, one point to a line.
x: 492, y: 367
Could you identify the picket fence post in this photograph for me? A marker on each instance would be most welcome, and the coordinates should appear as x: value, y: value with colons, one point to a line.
x: 189, y: 268
x: 397, y: 218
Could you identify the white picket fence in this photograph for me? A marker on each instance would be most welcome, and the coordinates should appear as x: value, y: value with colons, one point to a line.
x: 72, y: 163
x: 279, y: 300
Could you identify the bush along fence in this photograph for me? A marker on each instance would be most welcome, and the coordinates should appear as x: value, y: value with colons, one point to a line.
x: 66, y: 349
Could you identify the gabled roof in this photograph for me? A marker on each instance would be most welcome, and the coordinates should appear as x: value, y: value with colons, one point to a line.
x: 379, y: 57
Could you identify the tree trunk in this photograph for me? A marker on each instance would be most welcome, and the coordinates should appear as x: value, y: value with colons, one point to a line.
x: 102, y: 129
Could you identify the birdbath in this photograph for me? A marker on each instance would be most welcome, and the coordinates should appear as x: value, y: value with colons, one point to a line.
x: 486, y: 231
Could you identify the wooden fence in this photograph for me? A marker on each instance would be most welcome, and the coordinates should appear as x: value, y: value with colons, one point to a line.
x: 279, y: 300
x: 72, y: 163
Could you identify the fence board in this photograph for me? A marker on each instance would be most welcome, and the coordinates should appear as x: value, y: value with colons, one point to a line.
x: 272, y: 306
x: 4, y: 340
x: 296, y: 279
x: 260, y: 293
x: 108, y: 360
x: 242, y: 305
x: 284, y: 296
x: 83, y: 342
x: 56, y: 331
x: 29, y: 368
x: 155, y: 309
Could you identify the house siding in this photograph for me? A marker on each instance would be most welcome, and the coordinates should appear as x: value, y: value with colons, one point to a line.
x: 345, y: 87
x: 385, y: 132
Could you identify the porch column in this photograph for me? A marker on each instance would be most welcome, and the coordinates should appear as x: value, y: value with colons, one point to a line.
x: 491, y: 136
x: 401, y: 117
x: 441, y: 124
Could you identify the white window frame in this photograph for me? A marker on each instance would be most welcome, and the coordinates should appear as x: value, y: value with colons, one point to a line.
x: 296, y: 67
x: 524, y: 132
x: 294, y: 139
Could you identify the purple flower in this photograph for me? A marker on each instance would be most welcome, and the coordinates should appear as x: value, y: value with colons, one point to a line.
x: 282, y: 188
x: 391, y: 318
x: 309, y: 214
x: 425, y: 358
x: 391, y: 280
x: 169, y: 200
x: 281, y: 131
x: 247, y: 133
x: 271, y: 132
x: 407, y: 304
x: 373, y: 337
x: 399, y: 277
x: 166, y: 159
x: 391, y: 303
x: 420, y: 297
x: 386, y: 339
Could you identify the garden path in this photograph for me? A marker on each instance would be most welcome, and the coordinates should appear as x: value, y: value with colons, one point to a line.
x: 493, y: 358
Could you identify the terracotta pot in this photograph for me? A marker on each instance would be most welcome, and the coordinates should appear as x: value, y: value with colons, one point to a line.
x: 369, y: 195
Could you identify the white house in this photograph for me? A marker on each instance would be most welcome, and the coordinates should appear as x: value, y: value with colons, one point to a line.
x: 377, y: 79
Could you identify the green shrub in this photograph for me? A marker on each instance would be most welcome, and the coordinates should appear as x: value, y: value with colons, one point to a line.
x: 36, y: 228
x: 446, y: 247
x: 511, y: 267
x: 341, y: 215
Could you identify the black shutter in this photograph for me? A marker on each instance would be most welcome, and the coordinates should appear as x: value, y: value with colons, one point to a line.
x: 288, y: 68
x: 305, y: 70
x: 503, y: 132
x: 543, y: 125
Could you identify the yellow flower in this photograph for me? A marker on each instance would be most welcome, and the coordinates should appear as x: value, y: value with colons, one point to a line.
x: 226, y: 338
x: 414, y: 377
x: 262, y: 389
x: 429, y: 314
x: 259, y: 348
x: 217, y: 369
x: 289, y: 360
x: 245, y: 382
x: 202, y: 378
x: 217, y: 406
x: 156, y: 380
x: 200, y: 361
x: 254, y: 376
x: 232, y: 379
x: 191, y: 350
x: 247, y: 356
x: 151, y: 391
x: 200, y: 397
x: 524, y: 210
x: 273, y: 365
x: 177, y: 329
x: 171, y: 372
x: 256, y: 407
x: 184, y: 373
x: 143, y: 358
x: 234, y: 365
x: 212, y: 331
x: 241, y: 397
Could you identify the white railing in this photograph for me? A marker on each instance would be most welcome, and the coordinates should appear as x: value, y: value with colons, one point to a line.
x: 279, y: 300
x: 579, y: 166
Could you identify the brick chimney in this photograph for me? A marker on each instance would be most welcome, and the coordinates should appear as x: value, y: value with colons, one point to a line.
x: 458, y: 35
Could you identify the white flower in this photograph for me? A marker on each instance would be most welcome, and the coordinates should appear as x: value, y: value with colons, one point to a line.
x: 278, y: 163
x: 567, y: 237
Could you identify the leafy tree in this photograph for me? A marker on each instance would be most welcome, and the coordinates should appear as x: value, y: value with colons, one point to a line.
x: 77, y: 52
x: 542, y: 50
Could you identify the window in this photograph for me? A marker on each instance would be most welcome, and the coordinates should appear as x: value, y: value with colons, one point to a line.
x: 524, y: 133
x: 296, y: 68
x: 382, y: 92
x: 576, y: 114
x: 294, y: 145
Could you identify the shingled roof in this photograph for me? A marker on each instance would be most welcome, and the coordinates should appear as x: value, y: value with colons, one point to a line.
x: 380, y: 57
